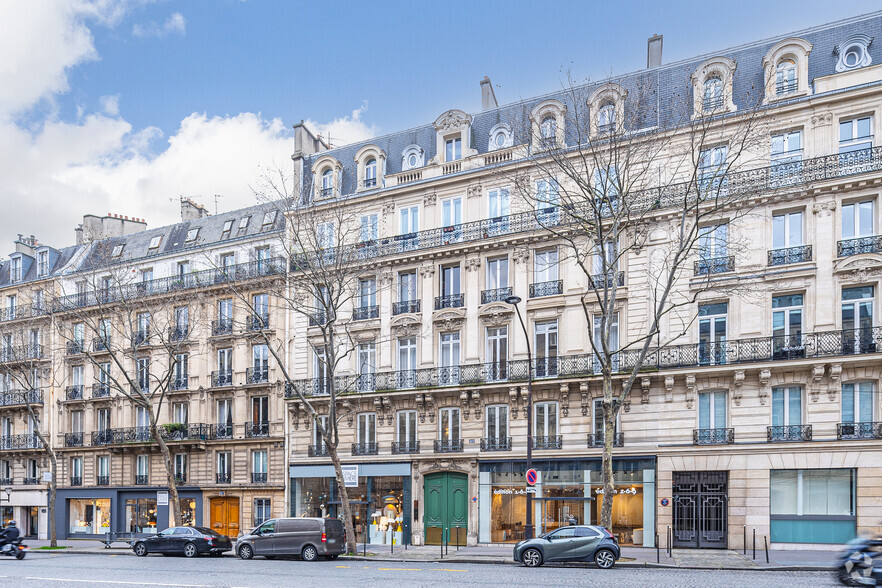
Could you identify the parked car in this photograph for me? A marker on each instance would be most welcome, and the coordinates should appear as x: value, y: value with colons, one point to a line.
x: 186, y: 541
x: 576, y: 543
x: 309, y: 538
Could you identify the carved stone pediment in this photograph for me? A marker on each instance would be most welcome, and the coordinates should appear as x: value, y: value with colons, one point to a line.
x: 443, y: 464
x: 495, y: 314
x: 406, y: 325
x: 859, y: 268
x: 449, y: 319
x: 452, y: 120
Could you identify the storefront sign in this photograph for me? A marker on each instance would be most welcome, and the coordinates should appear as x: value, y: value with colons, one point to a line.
x: 350, y: 476
x: 162, y: 498
x: 631, y: 491
x: 527, y: 490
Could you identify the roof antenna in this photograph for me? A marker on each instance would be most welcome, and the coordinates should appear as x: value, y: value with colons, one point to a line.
x: 216, y: 196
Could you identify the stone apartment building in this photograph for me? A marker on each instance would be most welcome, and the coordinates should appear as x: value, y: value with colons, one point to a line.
x: 763, y: 415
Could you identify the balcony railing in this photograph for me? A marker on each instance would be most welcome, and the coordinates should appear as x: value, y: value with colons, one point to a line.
x: 100, y: 344
x: 318, y: 319
x: 21, y: 353
x: 223, y: 478
x: 222, y: 431
x: 449, y: 301
x: 182, y: 383
x: 102, y: 480
x: 5, y: 481
x: 496, y: 444
x: 200, y: 279
x: 548, y: 442
x: 448, y: 446
x: 852, y: 431
x: 495, y: 295
x: 257, y: 375
x: 789, y: 433
x: 363, y: 313
x: 23, y: 441
x: 31, y: 481
x: 596, y: 439
x: 100, y: 390
x: 120, y: 436
x: 22, y: 312
x: 76, y: 480
x: 141, y: 479
x: 540, y: 289
x: 257, y: 429
x: 222, y: 327
x: 317, y: 450
x: 21, y: 397
x: 711, y: 103
x: 405, y: 447
x: 141, y: 338
x: 713, y: 436
x: 178, y: 334
x: 365, y: 449
x: 75, y: 347
x: 186, y: 432
x: 180, y: 478
x: 714, y: 265
x: 782, y: 88
x: 221, y: 379
x: 257, y: 322
x: 258, y: 477
x: 600, y: 281
x: 74, y: 392
x: 370, y: 182
x: 73, y: 439
x: 405, y: 306
x: 848, y: 247
x: 790, y: 255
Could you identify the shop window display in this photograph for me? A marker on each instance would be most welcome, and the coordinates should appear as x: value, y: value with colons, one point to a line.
x: 141, y: 515
x: 188, y: 513
x: 89, y: 516
x: 6, y: 515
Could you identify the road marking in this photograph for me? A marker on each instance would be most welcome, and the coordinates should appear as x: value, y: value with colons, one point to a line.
x: 116, y: 582
x: 400, y: 569
x: 347, y: 567
x: 446, y: 570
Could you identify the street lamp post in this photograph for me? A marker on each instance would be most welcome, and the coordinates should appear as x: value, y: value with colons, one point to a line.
x: 514, y: 301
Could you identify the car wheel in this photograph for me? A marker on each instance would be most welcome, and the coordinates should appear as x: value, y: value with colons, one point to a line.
x: 604, y: 558
x: 532, y: 558
x: 331, y: 557
x: 309, y: 553
x: 246, y: 552
x: 140, y: 549
x: 190, y: 550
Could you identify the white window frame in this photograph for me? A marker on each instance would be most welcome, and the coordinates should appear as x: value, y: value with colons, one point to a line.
x: 546, y: 426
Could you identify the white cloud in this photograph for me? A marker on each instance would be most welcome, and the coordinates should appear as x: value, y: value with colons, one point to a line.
x: 346, y: 129
x: 110, y: 104
x: 174, y: 24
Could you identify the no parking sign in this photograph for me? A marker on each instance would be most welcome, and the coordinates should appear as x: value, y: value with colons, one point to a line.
x: 532, y: 476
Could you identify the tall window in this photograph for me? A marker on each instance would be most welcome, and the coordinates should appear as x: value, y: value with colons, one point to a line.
x: 181, y: 412
x: 225, y: 313
x: 786, y: 147
x: 367, y: 293
x: 260, y: 302
x: 712, y: 333
x: 325, y: 235
x: 223, y: 466
x: 548, y: 128
x: 407, y: 361
x: 15, y: 274
x: 259, y: 465
x: 713, y: 249
x: 144, y: 374
x: 787, y: 325
x: 321, y: 425
x: 260, y: 410
x: 605, y: 262
x: 407, y: 286
x: 143, y: 328
x: 545, y: 419
x: 787, y: 406
x: 711, y: 165
x: 545, y: 266
x: 497, y: 422
x: 76, y: 471
x: 224, y: 366
x: 498, y: 203
x: 407, y: 428
x: 410, y: 220
x: 260, y: 363
x: 327, y: 183
x: 857, y: 320
x: 497, y: 273
x: 369, y: 230
x: 612, y: 343
x: 449, y: 358
x: 142, y: 468
x: 787, y: 230
x: 76, y: 421
x: 785, y: 77
x: 42, y: 263
x: 182, y: 322
x: 606, y: 118
x: 450, y: 280
x: 367, y: 365
x: 858, y: 402
x: 262, y: 511
x: 855, y: 134
x: 103, y: 470
x: 713, y: 94
x: 321, y: 370
x: 451, y: 212
x: 142, y: 420
x: 103, y: 419
x: 600, y: 422
x: 370, y: 173
x: 180, y: 465
x: 225, y: 418
x: 453, y: 149
x: 858, y: 220
x: 712, y: 410
x: 181, y: 371
x: 545, y: 345
x: 497, y: 353
x: 366, y: 431
x: 449, y: 425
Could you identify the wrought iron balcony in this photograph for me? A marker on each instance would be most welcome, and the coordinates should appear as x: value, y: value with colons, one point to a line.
x: 365, y: 449
x: 23, y: 441
x: 552, y: 442
x: 178, y: 334
x: 551, y: 288
x: 258, y: 477
x: 76, y: 480
x: 73, y: 439
x: 257, y: 322
x: 159, y: 286
x: 74, y: 392
x: 790, y: 255
x: 496, y: 444
x: 613, y: 279
x: 713, y: 436
x: 848, y: 247
x: 141, y: 338
x: 21, y: 398
x: 712, y: 103
x: 120, y: 436
x: 75, y: 347
x: 221, y: 378
x: 320, y: 450
x: 782, y: 88
x: 448, y: 446
x: 495, y: 295
x: 17, y: 353
x: 318, y: 319
x: 714, y: 265
x: 101, y: 344
x: 258, y: 429
x: 851, y: 431
x: 257, y: 375
x: 100, y: 390
x: 405, y: 306
x: 370, y: 182
x: 180, y: 478
x: 182, y: 383
x: 789, y: 433
x: 596, y: 439
x: 327, y: 192
x: 222, y: 431
x: 186, y: 432
x: 102, y: 480
x: 141, y: 479
x: 31, y: 481
x: 223, y: 478
x: 363, y: 313
x: 5, y: 481
x: 449, y: 301
x: 222, y: 327
x: 405, y: 447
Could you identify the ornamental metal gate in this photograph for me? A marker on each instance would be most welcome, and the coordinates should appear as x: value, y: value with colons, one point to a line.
x: 700, y: 509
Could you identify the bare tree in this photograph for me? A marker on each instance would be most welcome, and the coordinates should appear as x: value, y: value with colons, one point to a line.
x: 24, y: 367
x: 331, y: 252
x: 638, y: 178
x: 138, y: 349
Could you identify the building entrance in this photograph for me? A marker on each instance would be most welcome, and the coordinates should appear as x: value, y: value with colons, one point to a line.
x: 700, y: 509
x: 225, y: 516
x: 446, y: 515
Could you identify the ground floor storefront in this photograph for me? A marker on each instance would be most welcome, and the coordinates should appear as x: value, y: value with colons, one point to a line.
x: 233, y: 511
x: 29, y: 509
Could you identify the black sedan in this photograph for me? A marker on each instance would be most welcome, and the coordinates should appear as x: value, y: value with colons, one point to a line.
x: 186, y: 541
x: 576, y: 543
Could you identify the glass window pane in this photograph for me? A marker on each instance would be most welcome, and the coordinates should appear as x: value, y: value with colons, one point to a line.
x: 794, y: 413
x: 848, y: 403
x: 783, y: 488
x: 777, y: 407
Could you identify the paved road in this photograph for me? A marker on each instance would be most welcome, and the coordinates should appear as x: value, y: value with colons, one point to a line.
x: 109, y: 571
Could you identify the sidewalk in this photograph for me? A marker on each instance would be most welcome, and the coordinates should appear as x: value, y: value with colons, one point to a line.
x: 502, y: 554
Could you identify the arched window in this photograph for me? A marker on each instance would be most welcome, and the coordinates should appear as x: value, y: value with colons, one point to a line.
x: 548, y: 128
x: 412, y: 160
x: 327, y: 183
x: 370, y: 173
x: 785, y: 77
x: 606, y: 118
x: 713, y: 94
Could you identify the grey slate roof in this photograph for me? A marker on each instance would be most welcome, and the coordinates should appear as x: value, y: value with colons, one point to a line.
x: 58, y: 258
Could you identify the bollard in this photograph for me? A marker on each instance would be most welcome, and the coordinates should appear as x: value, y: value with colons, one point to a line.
x: 754, y: 544
x: 657, y: 550
x: 457, y: 538
x: 447, y: 542
x: 745, y: 539
x: 441, y: 543
x: 392, y: 545
x: 766, y: 545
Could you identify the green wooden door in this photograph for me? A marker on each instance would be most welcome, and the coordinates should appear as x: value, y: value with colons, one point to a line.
x: 447, y: 508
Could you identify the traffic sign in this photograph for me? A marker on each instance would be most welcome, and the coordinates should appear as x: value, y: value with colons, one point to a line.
x: 532, y: 476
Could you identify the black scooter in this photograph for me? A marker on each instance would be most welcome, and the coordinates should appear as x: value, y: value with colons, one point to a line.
x: 861, y: 563
x: 14, y: 548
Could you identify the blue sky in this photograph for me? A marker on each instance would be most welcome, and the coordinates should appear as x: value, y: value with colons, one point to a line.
x: 123, y: 105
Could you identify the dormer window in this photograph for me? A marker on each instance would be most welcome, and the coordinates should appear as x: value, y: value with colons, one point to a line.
x: 712, y: 86
x: 192, y: 234
x: 500, y: 137
x: 15, y: 269
x: 606, y: 118
x: 327, y: 183
x: 243, y: 225
x: 853, y: 53
x: 228, y: 228
x: 370, y: 173
x: 269, y: 218
x: 785, y: 77
x: 453, y: 149
x: 412, y: 157
x: 713, y: 94
x: 42, y: 263
x: 548, y: 129
x: 155, y: 242
x: 118, y: 249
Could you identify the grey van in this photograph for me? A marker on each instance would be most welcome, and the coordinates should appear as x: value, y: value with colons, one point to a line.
x: 310, y: 538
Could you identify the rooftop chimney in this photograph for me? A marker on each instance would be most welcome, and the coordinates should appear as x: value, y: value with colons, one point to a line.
x: 95, y: 228
x: 488, y: 97
x: 191, y: 211
x: 654, y: 51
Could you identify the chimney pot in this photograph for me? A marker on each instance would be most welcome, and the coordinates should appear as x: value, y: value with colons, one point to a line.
x: 654, y: 51
x: 488, y: 96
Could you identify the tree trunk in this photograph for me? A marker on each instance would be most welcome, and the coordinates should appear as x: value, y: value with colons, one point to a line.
x: 53, y: 487
x: 351, y: 544
x: 170, y: 475
x: 609, y: 431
